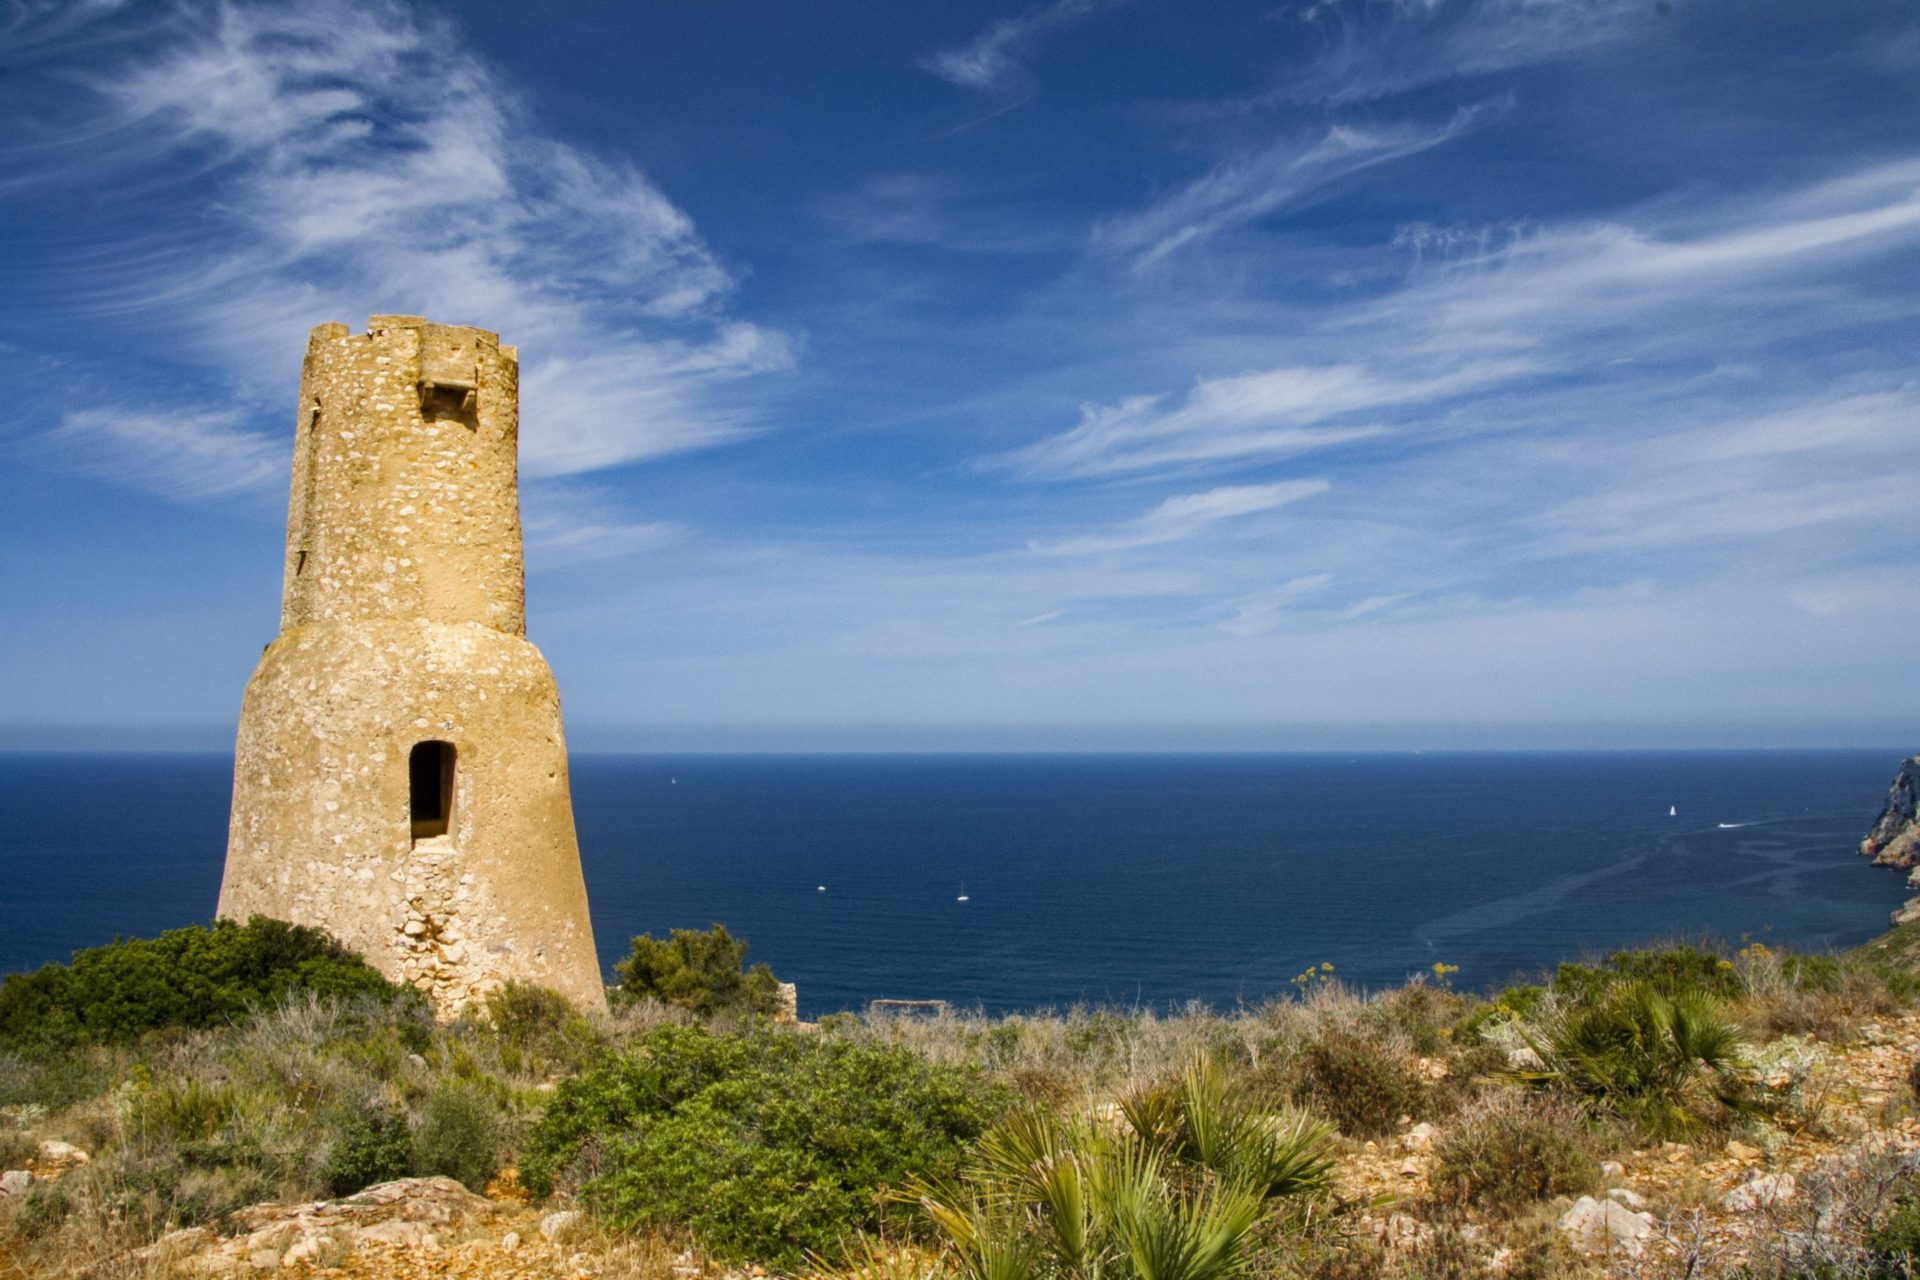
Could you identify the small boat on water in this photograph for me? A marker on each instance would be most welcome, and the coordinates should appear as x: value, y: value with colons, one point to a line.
x: 963, y: 892
x: 1673, y: 811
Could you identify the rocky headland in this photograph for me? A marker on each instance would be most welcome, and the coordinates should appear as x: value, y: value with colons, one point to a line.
x: 1895, y: 838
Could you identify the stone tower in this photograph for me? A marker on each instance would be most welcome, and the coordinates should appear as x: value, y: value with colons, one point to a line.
x: 400, y: 778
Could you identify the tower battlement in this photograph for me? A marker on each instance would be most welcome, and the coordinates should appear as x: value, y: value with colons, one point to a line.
x: 405, y: 496
x: 400, y: 775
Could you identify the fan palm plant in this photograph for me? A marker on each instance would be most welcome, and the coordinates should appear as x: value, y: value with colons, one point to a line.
x: 1175, y: 1195
x: 1672, y: 1063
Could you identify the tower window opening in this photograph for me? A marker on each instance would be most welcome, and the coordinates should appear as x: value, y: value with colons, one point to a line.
x: 448, y: 399
x: 430, y: 788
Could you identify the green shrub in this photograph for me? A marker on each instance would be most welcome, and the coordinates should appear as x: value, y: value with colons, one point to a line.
x: 1426, y: 1014
x: 1812, y: 973
x: 538, y: 1031
x: 1893, y: 1241
x: 459, y: 1135
x: 372, y: 1145
x: 767, y: 1144
x: 1362, y: 1084
x: 192, y: 977
x: 17, y: 1146
x: 701, y: 972
x: 1670, y: 971
x: 1669, y: 1064
x: 1509, y: 1152
x: 1514, y: 1004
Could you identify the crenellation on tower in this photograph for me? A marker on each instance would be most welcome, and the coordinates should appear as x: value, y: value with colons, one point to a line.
x: 400, y: 774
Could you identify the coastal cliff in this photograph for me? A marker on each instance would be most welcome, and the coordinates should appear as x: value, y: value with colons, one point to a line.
x: 1895, y: 838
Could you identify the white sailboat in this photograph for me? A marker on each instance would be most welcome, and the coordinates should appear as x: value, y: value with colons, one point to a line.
x: 963, y: 892
x: 1673, y: 811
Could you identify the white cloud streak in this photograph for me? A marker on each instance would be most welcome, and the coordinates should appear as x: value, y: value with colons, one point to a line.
x: 1838, y: 461
x: 1187, y: 514
x: 1259, y: 613
x: 185, y: 456
x: 995, y: 61
x: 1279, y: 177
x: 1271, y: 413
x: 1372, y: 49
x: 358, y: 159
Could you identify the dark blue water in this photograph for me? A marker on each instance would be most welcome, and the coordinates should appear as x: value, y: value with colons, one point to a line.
x: 1149, y: 879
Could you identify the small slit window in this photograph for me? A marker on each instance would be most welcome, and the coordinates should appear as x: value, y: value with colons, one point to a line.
x: 430, y: 788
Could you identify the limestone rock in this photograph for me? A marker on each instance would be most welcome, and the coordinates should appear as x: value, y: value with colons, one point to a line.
x: 1612, y: 1169
x: 1895, y: 838
x: 177, y: 1244
x: 1760, y: 1192
x: 62, y: 1153
x: 1418, y: 1138
x: 563, y: 1225
x: 14, y: 1182
x: 1628, y: 1197
x: 1602, y: 1226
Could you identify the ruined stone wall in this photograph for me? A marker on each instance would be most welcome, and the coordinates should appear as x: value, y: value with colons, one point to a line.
x: 402, y: 623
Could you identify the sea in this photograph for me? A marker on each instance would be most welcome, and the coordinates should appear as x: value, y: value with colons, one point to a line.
x: 1026, y: 882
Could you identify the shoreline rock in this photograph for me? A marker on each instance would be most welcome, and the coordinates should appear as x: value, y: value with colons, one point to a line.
x: 1894, y: 840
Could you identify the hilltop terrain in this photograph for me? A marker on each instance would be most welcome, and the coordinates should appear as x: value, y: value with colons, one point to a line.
x: 1669, y: 1112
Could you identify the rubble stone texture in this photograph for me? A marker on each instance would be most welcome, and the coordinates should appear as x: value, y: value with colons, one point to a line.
x: 400, y: 776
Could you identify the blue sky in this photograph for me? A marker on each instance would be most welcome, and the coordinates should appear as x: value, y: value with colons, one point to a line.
x: 1096, y: 373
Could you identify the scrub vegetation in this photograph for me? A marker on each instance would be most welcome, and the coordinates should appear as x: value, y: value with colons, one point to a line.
x: 211, y: 1069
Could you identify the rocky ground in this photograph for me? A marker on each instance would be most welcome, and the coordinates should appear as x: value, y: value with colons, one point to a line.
x: 1679, y: 1202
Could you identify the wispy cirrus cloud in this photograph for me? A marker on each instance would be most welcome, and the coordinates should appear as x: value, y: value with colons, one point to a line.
x: 293, y: 164
x: 1187, y: 514
x: 995, y: 61
x: 1548, y: 280
x: 187, y: 455
x: 1270, y: 413
x: 570, y: 524
x: 1253, y: 186
x: 1371, y: 49
x: 1838, y: 460
x: 1258, y: 613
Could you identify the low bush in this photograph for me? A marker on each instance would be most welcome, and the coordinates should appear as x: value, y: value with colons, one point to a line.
x: 372, y: 1144
x: 1893, y: 1242
x: 192, y: 977
x: 17, y: 1146
x: 1670, y: 971
x: 1363, y: 1084
x: 1509, y: 1151
x: 538, y: 1031
x: 768, y: 1145
x: 459, y: 1135
x: 704, y: 973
